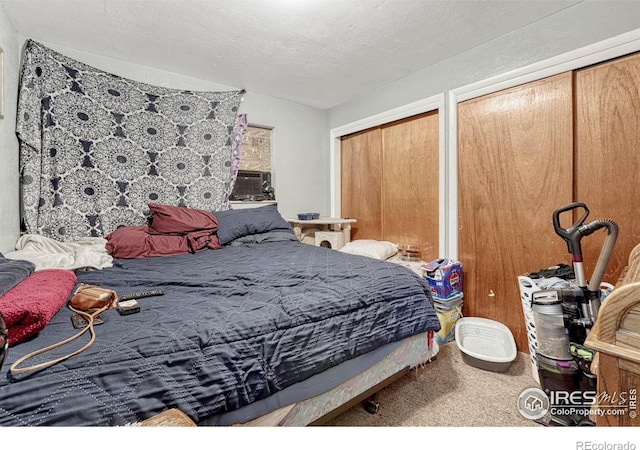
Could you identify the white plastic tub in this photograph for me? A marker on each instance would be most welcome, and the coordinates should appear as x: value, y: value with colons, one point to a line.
x: 485, y: 343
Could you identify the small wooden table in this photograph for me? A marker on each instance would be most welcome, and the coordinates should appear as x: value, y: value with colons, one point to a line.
x: 330, y: 223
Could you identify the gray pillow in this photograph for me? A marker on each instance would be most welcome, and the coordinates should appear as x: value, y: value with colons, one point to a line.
x: 269, y: 236
x: 13, y: 271
x: 235, y: 223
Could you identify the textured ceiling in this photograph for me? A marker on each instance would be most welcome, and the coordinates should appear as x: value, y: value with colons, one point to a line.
x: 319, y: 53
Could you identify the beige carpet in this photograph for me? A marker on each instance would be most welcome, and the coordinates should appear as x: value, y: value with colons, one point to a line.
x: 448, y: 392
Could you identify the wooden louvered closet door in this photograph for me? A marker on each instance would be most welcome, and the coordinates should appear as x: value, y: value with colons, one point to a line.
x: 515, y: 162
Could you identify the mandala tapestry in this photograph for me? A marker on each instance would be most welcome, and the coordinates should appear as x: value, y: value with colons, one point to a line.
x: 96, y: 148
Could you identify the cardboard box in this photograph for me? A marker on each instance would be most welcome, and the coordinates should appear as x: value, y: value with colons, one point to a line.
x: 444, y: 277
x: 447, y: 304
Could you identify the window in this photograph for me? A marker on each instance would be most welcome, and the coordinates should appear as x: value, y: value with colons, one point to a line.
x: 255, y: 153
x: 253, y: 182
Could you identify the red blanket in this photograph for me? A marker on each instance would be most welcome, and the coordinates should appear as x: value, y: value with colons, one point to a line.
x: 174, y: 230
x: 140, y: 242
x: 29, y: 306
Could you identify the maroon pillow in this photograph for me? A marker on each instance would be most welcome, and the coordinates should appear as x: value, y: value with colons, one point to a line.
x: 179, y: 219
x: 136, y: 242
x: 128, y: 242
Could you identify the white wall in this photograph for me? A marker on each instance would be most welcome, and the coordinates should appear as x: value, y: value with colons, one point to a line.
x: 9, y: 190
x: 578, y: 26
x: 300, y: 162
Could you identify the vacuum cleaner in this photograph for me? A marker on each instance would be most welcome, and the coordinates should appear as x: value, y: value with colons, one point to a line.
x: 563, y: 318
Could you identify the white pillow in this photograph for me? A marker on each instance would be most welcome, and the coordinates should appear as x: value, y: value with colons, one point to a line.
x: 371, y: 248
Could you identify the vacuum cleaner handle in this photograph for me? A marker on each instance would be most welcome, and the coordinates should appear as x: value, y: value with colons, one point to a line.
x: 574, y: 233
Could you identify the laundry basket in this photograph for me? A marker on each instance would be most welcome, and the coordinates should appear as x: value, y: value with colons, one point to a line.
x: 527, y: 288
x: 485, y: 343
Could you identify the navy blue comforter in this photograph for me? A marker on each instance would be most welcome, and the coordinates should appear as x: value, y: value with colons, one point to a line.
x: 234, y: 326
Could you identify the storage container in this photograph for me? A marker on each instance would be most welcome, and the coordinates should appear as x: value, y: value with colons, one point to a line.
x: 447, y: 304
x: 308, y: 216
x: 527, y: 288
x: 444, y: 277
x: 485, y: 343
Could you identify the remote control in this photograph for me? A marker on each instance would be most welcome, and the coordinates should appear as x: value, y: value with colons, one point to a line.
x: 141, y: 295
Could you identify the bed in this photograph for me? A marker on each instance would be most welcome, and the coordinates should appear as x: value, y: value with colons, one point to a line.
x: 125, y: 186
x: 261, y: 325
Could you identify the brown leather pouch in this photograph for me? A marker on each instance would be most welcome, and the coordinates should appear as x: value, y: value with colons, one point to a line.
x: 92, y: 298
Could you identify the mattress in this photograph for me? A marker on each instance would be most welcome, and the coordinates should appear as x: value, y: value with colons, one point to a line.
x: 410, y: 353
x: 235, y: 326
